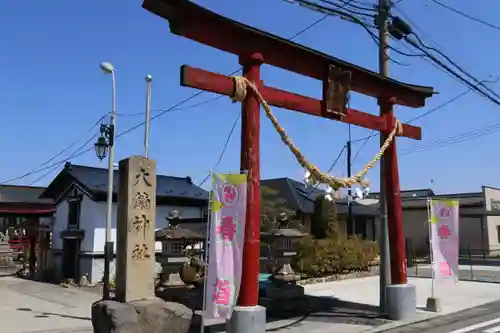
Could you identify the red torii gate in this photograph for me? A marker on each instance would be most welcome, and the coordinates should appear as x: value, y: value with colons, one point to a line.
x: 255, y: 47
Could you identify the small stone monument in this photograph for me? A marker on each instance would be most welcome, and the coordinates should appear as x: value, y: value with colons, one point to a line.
x: 136, y: 309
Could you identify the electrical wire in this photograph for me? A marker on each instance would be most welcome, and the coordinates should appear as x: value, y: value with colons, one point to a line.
x: 426, y: 113
x: 208, y: 100
x: 439, y: 50
x: 414, y: 24
x: 349, y: 10
x: 470, y: 17
x: 80, y: 153
x: 335, y: 12
x: 329, y: 170
x: 451, y: 71
x: 454, y: 64
x: 223, y: 152
x: 466, y: 136
x: 64, y: 150
x: 228, y: 139
x: 57, y: 166
x: 175, y: 107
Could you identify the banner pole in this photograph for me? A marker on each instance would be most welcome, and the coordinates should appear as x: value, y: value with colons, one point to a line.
x: 431, y: 255
x: 205, y: 254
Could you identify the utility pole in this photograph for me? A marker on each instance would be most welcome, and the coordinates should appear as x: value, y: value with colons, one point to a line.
x: 149, y: 78
x: 385, y: 266
x: 349, y: 191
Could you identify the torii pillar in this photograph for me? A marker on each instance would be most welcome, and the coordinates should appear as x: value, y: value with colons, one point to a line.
x: 253, y: 48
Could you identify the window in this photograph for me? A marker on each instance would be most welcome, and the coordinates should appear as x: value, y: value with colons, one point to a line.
x: 498, y: 233
x: 495, y: 204
x: 177, y: 247
x: 74, y: 207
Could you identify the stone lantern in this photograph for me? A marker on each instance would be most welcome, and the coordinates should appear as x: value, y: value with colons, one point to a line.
x: 283, y: 296
x: 179, y: 246
x: 283, y: 246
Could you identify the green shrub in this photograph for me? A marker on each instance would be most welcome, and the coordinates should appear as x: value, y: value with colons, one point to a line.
x: 333, y: 256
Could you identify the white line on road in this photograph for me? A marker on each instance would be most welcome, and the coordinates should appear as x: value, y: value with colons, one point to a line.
x: 477, y: 326
x: 495, y: 329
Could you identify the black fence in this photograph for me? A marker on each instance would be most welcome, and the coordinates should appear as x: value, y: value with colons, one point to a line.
x: 474, y: 265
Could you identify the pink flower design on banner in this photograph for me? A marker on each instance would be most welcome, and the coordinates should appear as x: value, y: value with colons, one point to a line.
x: 444, y: 268
x: 444, y: 231
x: 444, y: 212
x: 229, y: 195
x: 222, y: 292
x: 227, y: 228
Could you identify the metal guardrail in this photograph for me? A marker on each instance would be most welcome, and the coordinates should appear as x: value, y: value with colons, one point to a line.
x: 474, y: 265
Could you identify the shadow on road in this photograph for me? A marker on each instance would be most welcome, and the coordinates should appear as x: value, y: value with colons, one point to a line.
x: 320, y: 310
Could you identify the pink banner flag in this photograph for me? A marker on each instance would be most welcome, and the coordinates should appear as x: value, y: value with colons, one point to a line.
x: 444, y: 218
x: 227, y: 234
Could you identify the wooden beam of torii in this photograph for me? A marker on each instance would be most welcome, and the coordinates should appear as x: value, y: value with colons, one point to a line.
x: 255, y: 47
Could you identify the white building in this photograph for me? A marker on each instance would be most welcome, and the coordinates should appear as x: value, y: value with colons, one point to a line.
x: 80, y: 193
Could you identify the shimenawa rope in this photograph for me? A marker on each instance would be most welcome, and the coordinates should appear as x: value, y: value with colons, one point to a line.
x: 240, y: 92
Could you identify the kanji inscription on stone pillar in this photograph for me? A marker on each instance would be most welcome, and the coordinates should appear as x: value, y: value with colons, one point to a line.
x: 135, y: 262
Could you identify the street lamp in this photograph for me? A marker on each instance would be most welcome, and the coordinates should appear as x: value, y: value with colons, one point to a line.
x: 101, y: 147
x: 105, y: 141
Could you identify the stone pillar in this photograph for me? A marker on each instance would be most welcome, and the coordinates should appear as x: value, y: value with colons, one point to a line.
x: 135, y: 245
x: 136, y: 310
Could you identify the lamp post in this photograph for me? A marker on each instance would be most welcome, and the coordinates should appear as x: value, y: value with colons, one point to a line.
x: 105, y: 141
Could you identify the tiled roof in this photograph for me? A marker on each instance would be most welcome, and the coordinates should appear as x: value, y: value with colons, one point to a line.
x: 15, y: 193
x: 95, y: 181
x: 300, y: 197
x: 419, y: 193
x: 464, y: 201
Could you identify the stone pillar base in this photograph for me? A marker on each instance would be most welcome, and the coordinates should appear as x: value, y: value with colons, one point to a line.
x: 149, y: 315
x: 401, y: 301
x: 247, y: 319
x: 433, y: 304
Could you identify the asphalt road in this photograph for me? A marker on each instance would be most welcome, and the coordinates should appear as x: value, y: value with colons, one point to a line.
x: 484, y: 319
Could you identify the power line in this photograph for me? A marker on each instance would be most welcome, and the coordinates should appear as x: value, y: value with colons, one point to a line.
x: 401, y: 30
x: 34, y: 170
x: 407, y: 18
x: 446, y: 103
x: 329, y: 170
x: 451, y: 71
x: 470, y: 17
x: 355, y: 19
x: 80, y: 153
x: 161, y: 112
x: 345, y: 4
x: 57, y: 166
x: 466, y: 136
x: 223, y: 152
x: 454, y: 64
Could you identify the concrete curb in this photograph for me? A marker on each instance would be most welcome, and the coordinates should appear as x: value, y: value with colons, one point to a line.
x: 420, y: 318
x: 81, y: 329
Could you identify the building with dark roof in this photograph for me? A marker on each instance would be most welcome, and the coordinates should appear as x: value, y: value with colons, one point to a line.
x: 21, y: 208
x: 479, y: 225
x: 301, y: 198
x: 79, y: 193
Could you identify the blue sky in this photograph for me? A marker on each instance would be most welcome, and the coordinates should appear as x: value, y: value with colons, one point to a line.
x: 53, y: 90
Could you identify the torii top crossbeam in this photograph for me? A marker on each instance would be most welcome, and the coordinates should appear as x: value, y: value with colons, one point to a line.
x: 197, y: 23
